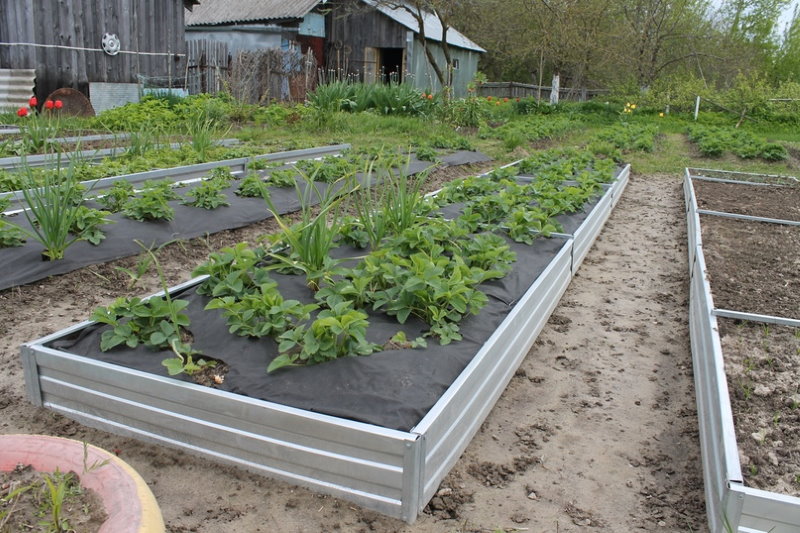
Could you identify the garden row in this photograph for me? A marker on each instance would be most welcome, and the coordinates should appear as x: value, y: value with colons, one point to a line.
x: 744, y: 239
x: 448, y: 291
x: 65, y: 224
x: 714, y: 141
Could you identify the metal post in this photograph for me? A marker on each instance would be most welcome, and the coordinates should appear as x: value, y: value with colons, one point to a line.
x: 696, y: 107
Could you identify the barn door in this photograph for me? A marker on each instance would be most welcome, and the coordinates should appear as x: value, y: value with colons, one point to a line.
x: 371, y: 57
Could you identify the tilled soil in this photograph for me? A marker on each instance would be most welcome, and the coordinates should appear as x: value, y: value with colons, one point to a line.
x: 763, y: 371
x: 596, y: 430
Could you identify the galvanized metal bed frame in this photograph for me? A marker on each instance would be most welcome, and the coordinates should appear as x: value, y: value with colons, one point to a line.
x: 731, y: 506
x: 389, y: 471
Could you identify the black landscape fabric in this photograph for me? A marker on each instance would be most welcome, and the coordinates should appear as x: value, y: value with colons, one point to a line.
x: 392, y: 389
x: 24, y: 264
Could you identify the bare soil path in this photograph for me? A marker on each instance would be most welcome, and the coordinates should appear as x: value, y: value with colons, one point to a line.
x: 596, y: 432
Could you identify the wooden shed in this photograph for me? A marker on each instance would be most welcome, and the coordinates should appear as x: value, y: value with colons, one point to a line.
x: 376, y: 40
x: 75, y: 43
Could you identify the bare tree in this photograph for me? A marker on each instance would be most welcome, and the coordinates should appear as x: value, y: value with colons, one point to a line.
x: 442, y: 11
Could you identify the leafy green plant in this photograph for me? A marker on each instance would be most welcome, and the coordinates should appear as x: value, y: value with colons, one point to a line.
x: 207, y: 195
x: 388, y: 202
x: 524, y: 225
x: 221, y: 175
x: 150, y: 205
x: 87, y: 224
x: 337, y: 332
x: 252, y: 186
x: 309, y: 241
x: 156, y: 322
x: 51, y: 209
x: 10, y: 235
x: 328, y: 169
x: 232, y: 271
x: 184, y: 361
x: 262, y: 312
x: 115, y: 198
x: 283, y: 178
x: 58, y: 486
x: 440, y: 290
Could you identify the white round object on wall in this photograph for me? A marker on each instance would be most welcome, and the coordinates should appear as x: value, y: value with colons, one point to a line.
x: 111, y: 44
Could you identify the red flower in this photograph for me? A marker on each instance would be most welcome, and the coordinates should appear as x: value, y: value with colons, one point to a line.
x: 59, y: 104
x: 489, y: 98
x: 33, y: 102
x: 430, y: 96
x: 517, y: 99
x: 423, y: 95
x: 49, y: 104
x: 505, y: 99
x: 22, y: 112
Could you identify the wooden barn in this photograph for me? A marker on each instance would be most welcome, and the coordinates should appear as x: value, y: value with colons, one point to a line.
x: 367, y: 40
x: 378, y: 40
x: 102, y: 47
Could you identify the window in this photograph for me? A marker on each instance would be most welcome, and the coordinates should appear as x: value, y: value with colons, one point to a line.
x: 455, y: 64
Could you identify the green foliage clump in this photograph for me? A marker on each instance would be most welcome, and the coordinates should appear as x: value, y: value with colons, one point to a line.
x: 713, y: 141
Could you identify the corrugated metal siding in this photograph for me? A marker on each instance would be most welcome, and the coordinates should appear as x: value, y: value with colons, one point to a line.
x: 16, y: 88
x: 424, y: 76
x: 51, y: 35
x: 211, y: 12
x: 433, y: 28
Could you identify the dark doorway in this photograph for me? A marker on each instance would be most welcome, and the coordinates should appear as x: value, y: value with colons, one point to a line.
x: 391, y: 64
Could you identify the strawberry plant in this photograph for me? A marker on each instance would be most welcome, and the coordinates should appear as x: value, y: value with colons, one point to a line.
x: 150, y: 205
x: 440, y: 290
x: 207, y: 195
x: 10, y: 236
x: 337, y: 332
x: 87, y: 224
x: 283, y: 178
x: 252, y: 186
x: 232, y: 271
x: 328, y: 169
x: 154, y: 322
x: 164, y: 187
x: 115, y: 198
x: 221, y: 175
x: 262, y: 312
x: 524, y: 225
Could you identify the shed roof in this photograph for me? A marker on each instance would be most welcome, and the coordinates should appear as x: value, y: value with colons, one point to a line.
x: 433, y: 28
x: 212, y: 12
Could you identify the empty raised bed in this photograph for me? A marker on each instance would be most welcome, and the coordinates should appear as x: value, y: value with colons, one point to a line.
x: 744, y: 240
x: 380, y: 430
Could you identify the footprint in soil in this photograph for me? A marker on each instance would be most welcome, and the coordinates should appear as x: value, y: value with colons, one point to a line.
x: 497, y: 475
x: 447, y: 502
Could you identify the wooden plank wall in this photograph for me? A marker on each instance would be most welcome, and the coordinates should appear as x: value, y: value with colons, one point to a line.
x: 141, y: 25
x: 208, y: 64
x: 351, y: 27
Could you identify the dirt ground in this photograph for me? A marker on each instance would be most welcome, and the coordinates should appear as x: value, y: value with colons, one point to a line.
x: 596, y: 432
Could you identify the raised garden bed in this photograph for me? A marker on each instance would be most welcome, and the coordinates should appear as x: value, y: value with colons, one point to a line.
x: 744, y: 240
x: 15, y: 163
x: 381, y: 431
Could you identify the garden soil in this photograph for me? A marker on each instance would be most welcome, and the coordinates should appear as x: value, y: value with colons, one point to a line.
x: 597, y: 431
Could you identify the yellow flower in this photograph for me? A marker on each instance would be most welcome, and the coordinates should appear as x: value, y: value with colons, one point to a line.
x: 633, y: 106
x: 661, y: 114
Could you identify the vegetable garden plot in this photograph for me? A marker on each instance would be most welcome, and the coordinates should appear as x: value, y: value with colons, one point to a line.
x: 15, y: 163
x: 24, y: 264
x: 381, y: 430
x: 744, y: 319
